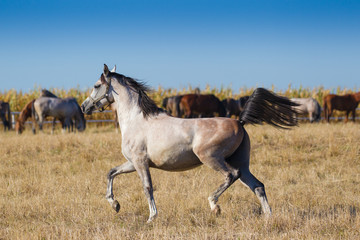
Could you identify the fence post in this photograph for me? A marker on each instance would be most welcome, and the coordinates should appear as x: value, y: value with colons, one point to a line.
x: 13, y: 120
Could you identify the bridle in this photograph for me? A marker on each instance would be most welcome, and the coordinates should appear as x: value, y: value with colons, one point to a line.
x: 95, y: 101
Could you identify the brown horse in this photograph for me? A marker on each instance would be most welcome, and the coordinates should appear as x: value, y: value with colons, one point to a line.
x: 348, y: 103
x: 25, y: 113
x: 5, y: 111
x: 203, y: 105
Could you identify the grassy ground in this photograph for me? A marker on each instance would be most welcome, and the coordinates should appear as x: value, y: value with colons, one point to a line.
x: 53, y: 187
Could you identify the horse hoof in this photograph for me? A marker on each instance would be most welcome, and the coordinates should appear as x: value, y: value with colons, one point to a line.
x: 217, y: 210
x: 116, y: 206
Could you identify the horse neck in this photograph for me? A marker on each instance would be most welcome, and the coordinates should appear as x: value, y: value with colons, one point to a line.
x: 127, y: 107
x: 25, y: 114
x: 80, y: 120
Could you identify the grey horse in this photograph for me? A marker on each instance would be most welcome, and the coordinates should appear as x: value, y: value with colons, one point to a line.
x: 308, y: 106
x: 150, y: 138
x: 65, y: 110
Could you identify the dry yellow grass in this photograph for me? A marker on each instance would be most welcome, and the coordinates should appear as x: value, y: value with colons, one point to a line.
x: 53, y: 187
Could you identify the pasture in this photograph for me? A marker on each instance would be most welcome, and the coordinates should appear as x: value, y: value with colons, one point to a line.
x: 53, y: 187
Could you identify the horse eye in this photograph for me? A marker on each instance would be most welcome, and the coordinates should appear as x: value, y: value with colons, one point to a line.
x: 97, y: 86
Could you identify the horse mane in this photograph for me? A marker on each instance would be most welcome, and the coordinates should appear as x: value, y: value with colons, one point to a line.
x: 46, y: 93
x: 146, y: 104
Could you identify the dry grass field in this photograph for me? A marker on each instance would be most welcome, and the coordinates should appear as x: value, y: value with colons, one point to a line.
x: 53, y: 187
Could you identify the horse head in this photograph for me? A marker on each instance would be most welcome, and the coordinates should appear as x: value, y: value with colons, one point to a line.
x: 80, y: 122
x: 101, y: 94
x: 19, y: 127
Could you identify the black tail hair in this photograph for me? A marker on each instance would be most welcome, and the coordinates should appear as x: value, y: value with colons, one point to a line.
x: 265, y: 106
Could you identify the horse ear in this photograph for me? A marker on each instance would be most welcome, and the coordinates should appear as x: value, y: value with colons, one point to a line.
x: 102, y: 78
x: 114, y: 69
x: 106, y: 70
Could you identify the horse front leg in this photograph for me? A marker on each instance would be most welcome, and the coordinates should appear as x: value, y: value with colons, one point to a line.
x: 53, y: 126
x: 311, y: 117
x: 127, y: 167
x: 142, y: 168
x: 329, y: 115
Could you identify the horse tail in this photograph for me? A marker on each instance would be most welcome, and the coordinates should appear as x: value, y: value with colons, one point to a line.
x: 264, y: 106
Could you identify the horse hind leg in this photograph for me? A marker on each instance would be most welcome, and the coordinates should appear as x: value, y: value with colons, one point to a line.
x: 240, y: 160
x: 218, y: 164
x: 258, y: 188
x: 231, y: 176
x: 41, y: 122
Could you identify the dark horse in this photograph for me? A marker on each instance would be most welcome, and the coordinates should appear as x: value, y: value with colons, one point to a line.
x: 348, y: 103
x: 203, y: 105
x: 5, y: 112
x: 234, y: 107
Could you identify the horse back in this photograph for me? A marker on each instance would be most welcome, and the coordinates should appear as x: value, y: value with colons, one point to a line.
x: 232, y: 106
x: 203, y: 104
x: 56, y: 107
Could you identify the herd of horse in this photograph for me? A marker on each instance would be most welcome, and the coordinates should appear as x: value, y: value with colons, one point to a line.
x: 152, y: 138
x: 199, y: 105
x: 68, y: 112
x: 190, y: 130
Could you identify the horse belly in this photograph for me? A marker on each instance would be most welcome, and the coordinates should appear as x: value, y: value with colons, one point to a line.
x: 177, y: 159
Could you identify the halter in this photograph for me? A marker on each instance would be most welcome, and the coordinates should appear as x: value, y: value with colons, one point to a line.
x: 106, y: 95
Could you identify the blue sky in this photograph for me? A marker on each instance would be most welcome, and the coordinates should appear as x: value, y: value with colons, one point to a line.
x: 64, y: 44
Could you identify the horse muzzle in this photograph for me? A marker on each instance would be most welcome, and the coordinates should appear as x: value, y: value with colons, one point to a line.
x: 87, y: 108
